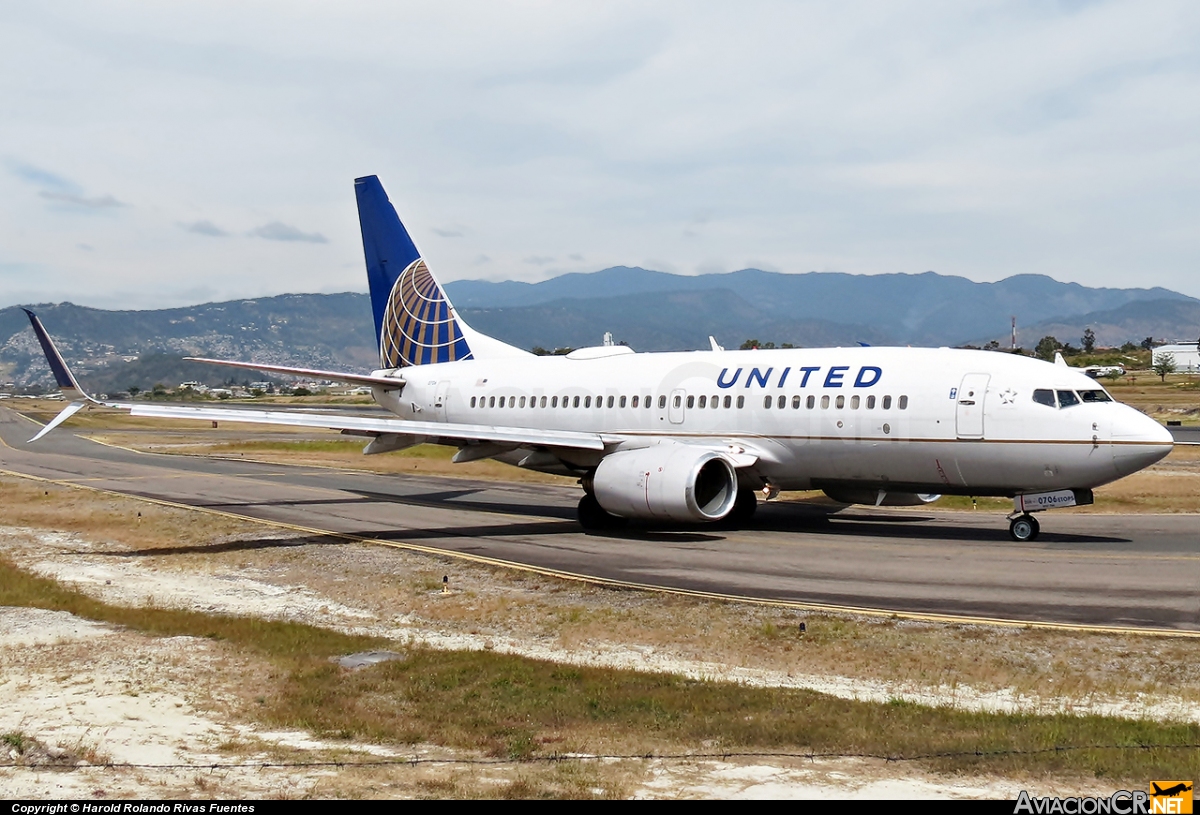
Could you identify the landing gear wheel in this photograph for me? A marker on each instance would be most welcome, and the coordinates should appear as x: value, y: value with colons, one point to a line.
x: 744, y: 508
x: 1024, y: 528
x: 593, y: 516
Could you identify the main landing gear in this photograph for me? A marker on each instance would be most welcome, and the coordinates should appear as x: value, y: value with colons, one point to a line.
x: 1024, y: 528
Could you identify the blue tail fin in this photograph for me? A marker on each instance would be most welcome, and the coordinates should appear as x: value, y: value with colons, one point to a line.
x: 414, y: 322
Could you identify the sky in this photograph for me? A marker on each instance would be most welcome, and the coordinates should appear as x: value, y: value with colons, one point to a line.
x: 166, y: 154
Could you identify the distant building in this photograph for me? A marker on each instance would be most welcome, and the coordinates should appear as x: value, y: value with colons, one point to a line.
x: 1186, y: 354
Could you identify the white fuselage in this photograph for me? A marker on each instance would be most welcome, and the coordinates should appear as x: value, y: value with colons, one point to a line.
x: 905, y: 419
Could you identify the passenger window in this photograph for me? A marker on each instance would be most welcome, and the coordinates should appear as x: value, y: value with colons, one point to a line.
x: 841, y: 402
x: 741, y: 403
x: 1094, y: 396
x: 691, y: 402
x: 522, y: 401
x: 1044, y: 396
x: 575, y: 401
x: 870, y: 403
x: 728, y: 401
x: 825, y: 402
x: 703, y: 401
x: 782, y: 402
x: 662, y: 402
x: 623, y: 401
x: 635, y: 400
x: 472, y: 401
x: 715, y: 401
x: 646, y: 401
x: 1067, y: 399
x: 796, y: 402
x: 854, y: 403
x: 543, y: 401
x: 587, y: 401
x: 553, y: 401
x: 902, y: 403
x: 887, y: 403
x: 767, y: 400
x: 491, y: 401
x: 677, y: 401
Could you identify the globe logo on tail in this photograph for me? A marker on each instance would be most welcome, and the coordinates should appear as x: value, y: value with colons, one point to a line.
x: 419, y: 326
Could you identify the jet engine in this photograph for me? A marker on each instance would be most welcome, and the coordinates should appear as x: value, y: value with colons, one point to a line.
x: 881, y: 498
x: 666, y: 482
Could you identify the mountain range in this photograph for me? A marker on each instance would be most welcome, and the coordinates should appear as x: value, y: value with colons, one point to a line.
x: 651, y: 311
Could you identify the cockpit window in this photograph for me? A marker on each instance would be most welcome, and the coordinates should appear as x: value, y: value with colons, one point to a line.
x: 1094, y: 396
x: 1044, y: 397
x: 1067, y: 399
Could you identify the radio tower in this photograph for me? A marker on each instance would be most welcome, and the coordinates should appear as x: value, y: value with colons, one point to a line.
x: 1014, y: 332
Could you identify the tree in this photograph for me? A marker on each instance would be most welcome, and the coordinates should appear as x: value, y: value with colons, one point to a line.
x: 1147, y: 343
x: 1164, y: 364
x: 134, y: 390
x: 1089, y: 340
x: 1046, y: 347
x: 749, y: 345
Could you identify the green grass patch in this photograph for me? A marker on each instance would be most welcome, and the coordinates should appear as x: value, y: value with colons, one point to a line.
x: 516, y: 707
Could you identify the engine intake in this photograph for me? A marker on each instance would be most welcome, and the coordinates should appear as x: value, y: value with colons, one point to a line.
x: 666, y: 482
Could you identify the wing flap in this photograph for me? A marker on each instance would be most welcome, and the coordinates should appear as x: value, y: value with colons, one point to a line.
x: 367, y: 424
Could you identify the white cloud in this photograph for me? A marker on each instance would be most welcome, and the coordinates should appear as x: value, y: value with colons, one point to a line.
x: 982, y: 139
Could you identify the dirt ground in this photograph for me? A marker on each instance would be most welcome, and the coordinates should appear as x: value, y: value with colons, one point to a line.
x: 89, y: 694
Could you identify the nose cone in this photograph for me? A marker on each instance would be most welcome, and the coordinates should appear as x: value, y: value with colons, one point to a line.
x: 1138, y: 441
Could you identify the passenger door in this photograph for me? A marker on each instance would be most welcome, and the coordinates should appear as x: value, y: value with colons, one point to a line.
x: 969, y: 410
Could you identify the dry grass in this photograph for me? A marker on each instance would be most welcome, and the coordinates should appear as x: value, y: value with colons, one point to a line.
x: 518, y: 708
x: 573, y: 616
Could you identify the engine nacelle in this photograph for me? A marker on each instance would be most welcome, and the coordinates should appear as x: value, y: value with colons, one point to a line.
x: 666, y: 482
x: 890, y: 499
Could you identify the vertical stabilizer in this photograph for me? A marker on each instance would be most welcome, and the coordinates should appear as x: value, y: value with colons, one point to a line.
x: 415, y: 324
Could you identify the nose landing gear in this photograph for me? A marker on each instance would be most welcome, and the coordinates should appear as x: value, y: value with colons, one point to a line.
x: 1024, y: 528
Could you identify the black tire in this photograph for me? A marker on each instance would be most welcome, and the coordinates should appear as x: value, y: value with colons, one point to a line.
x: 1023, y: 528
x: 593, y: 516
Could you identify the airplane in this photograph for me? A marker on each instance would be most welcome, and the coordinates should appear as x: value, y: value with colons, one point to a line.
x: 1170, y: 792
x: 695, y: 436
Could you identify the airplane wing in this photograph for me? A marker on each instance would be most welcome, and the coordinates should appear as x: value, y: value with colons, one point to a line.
x: 362, y: 425
x: 369, y: 425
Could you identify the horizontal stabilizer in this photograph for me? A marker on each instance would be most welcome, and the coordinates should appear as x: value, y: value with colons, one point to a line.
x: 386, y: 382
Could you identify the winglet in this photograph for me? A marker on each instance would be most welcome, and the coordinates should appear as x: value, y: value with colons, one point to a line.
x: 62, y: 376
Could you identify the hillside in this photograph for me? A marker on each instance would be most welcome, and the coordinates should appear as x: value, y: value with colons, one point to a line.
x: 1132, y: 322
x: 652, y: 311
x: 921, y: 309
